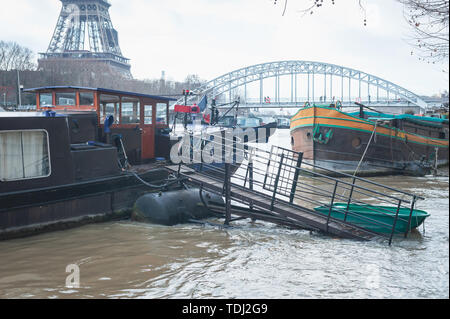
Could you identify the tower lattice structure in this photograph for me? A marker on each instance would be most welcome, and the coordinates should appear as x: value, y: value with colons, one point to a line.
x: 84, y: 33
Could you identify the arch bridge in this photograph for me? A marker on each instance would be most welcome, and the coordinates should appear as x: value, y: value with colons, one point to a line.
x: 293, y: 83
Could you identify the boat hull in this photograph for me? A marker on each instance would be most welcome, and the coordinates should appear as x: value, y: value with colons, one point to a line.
x: 365, y: 217
x: 40, y: 210
x: 337, y: 141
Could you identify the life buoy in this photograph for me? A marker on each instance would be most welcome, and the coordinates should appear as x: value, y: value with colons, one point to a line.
x: 338, y: 105
x: 307, y: 104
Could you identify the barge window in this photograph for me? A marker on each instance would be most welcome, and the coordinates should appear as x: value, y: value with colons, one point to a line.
x: 65, y: 98
x: 24, y: 155
x: 148, y: 115
x: 161, y: 113
x: 86, y: 98
x: 45, y: 99
x: 109, y: 105
x: 130, y: 111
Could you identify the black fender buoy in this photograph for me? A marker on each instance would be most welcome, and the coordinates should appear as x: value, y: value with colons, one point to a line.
x: 174, y: 207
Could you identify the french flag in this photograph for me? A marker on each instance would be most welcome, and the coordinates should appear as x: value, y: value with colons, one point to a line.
x: 203, y: 103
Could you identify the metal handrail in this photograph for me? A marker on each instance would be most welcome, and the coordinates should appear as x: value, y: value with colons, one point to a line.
x: 372, y: 221
x: 352, y: 184
x: 332, y: 178
x: 343, y: 174
x: 276, y: 161
x: 336, y: 209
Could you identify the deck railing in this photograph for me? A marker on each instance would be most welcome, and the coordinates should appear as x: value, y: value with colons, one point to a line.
x: 285, y: 176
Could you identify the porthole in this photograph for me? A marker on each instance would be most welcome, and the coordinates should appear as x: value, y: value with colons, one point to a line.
x: 356, y: 142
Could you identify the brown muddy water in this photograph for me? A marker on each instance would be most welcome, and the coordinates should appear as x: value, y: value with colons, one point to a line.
x: 126, y: 259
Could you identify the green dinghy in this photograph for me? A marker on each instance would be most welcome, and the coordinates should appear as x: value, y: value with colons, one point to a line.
x: 379, y: 219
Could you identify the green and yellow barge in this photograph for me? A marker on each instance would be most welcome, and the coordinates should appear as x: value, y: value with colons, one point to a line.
x: 369, y: 143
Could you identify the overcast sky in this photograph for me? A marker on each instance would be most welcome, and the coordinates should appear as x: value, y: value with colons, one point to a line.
x: 213, y: 37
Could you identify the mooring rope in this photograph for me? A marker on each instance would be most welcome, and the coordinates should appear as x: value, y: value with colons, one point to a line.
x: 167, y: 184
x: 364, y: 154
x: 367, y: 147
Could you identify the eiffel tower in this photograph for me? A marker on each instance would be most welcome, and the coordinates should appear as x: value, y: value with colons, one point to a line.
x: 84, y: 33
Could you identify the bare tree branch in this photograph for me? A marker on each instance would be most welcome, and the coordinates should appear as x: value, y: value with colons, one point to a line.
x: 15, y: 57
x: 429, y: 21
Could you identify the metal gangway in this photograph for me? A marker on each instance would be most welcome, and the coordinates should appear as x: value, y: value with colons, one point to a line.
x: 278, y: 186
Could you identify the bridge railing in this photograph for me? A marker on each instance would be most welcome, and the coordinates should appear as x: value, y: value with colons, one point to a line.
x: 301, y: 100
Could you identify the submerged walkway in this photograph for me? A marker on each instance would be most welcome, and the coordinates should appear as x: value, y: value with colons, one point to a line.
x: 280, y: 212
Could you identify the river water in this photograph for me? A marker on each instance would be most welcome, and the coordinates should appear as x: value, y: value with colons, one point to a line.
x: 126, y: 259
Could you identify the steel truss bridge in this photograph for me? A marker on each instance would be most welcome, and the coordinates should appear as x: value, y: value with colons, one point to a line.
x: 324, y: 83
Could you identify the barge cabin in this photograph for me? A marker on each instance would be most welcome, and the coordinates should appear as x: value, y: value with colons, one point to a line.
x: 137, y: 118
x: 61, y: 165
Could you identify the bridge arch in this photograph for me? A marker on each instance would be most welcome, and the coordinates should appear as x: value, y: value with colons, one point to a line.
x: 229, y: 82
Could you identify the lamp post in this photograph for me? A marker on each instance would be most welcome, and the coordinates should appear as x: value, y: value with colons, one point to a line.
x: 19, y: 88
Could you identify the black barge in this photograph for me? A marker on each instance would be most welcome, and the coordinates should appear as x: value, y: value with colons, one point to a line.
x: 67, y: 164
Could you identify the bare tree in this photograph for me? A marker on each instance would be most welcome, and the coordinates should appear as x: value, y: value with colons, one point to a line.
x: 54, y: 72
x: 192, y: 80
x: 15, y: 57
x: 429, y: 20
x: 310, y: 5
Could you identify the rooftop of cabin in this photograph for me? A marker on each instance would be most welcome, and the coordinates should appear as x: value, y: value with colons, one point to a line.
x: 43, y: 114
x: 99, y: 90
